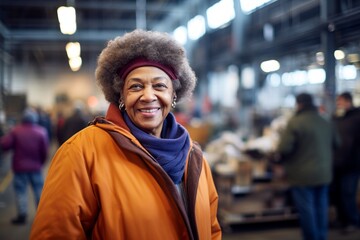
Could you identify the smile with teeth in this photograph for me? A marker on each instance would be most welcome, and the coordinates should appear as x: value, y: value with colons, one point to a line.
x: 149, y: 110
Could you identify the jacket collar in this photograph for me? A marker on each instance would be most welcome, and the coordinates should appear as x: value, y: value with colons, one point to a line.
x: 114, y: 115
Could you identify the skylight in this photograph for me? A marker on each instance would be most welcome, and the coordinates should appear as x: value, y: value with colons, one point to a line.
x: 196, y: 27
x: 220, y: 13
x: 249, y: 6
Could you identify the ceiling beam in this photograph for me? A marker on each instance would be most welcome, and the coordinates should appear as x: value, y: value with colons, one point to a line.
x: 100, y: 5
x: 54, y: 35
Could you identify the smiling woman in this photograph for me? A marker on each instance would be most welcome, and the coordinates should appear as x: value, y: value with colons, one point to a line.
x: 136, y: 172
x: 148, y: 95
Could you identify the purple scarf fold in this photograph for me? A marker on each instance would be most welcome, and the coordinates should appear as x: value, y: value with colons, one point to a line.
x: 171, y: 150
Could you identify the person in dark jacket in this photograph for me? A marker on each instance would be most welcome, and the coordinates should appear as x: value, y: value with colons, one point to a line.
x: 305, y: 148
x: 347, y: 164
x: 29, y: 143
x: 74, y: 123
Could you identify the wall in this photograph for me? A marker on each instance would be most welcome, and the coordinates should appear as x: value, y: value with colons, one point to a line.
x: 42, y: 85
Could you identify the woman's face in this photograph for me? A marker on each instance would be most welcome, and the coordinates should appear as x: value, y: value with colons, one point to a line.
x: 148, y: 93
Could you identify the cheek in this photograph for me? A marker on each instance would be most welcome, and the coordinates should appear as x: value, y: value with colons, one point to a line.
x: 169, y: 100
x: 130, y: 99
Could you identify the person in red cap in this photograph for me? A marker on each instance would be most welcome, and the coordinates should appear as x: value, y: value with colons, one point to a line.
x: 135, y: 173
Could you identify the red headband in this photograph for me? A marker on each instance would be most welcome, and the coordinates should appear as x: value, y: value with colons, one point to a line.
x: 141, y: 62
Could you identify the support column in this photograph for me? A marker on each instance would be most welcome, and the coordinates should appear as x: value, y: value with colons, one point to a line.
x: 328, y: 43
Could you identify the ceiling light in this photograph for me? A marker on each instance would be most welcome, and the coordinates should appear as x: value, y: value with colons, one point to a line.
x: 75, y: 63
x: 220, y: 13
x: 270, y: 66
x: 73, y: 49
x: 196, y: 27
x: 67, y: 19
x: 180, y: 34
x: 339, y: 54
x: 316, y: 75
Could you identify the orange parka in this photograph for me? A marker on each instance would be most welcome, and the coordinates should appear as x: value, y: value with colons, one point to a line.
x: 102, y: 184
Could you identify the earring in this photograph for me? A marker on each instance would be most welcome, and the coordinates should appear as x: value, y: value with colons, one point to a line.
x: 121, y: 105
x: 173, y: 104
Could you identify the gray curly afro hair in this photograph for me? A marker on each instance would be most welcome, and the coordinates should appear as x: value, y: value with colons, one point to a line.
x: 154, y: 46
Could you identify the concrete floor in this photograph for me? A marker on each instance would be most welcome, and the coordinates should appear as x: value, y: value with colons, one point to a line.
x: 264, y: 231
x: 279, y: 231
x: 8, y: 211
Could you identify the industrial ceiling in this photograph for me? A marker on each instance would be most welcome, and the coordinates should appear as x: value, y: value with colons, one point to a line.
x: 30, y: 29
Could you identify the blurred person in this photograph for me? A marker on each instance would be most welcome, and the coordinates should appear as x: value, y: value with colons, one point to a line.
x: 44, y: 120
x: 73, y: 124
x: 305, y: 149
x: 59, y: 126
x: 29, y: 143
x: 346, y: 164
x: 181, y: 116
x: 136, y: 173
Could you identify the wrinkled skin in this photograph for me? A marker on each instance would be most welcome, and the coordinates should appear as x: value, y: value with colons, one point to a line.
x: 148, y: 93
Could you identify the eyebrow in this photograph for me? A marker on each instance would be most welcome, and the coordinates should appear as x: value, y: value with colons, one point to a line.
x: 137, y: 79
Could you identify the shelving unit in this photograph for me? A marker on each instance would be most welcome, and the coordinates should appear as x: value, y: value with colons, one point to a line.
x: 264, y: 199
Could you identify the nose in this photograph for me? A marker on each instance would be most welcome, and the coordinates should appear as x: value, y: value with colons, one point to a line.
x: 148, y: 94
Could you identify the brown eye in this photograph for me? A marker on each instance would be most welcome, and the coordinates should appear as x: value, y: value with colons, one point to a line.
x: 135, y: 87
x: 160, y: 86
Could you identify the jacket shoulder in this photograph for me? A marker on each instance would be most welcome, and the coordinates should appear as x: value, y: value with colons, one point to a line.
x: 89, y: 134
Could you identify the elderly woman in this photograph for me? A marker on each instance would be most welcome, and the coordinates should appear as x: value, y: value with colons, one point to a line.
x: 134, y: 174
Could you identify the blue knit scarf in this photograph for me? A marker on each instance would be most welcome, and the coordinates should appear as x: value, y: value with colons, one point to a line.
x: 171, y: 150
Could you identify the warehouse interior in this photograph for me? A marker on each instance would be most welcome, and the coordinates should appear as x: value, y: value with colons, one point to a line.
x: 251, y: 58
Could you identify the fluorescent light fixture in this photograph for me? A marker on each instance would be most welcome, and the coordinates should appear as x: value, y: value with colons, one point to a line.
x: 73, y: 49
x: 196, y: 27
x: 270, y: 66
x: 67, y: 29
x: 220, y: 13
x: 286, y: 79
x: 248, y: 78
x: 348, y: 72
x: 180, y: 34
x: 316, y: 75
x: 273, y: 79
x: 67, y: 19
x: 296, y: 78
x: 75, y: 63
x: 299, y: 77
